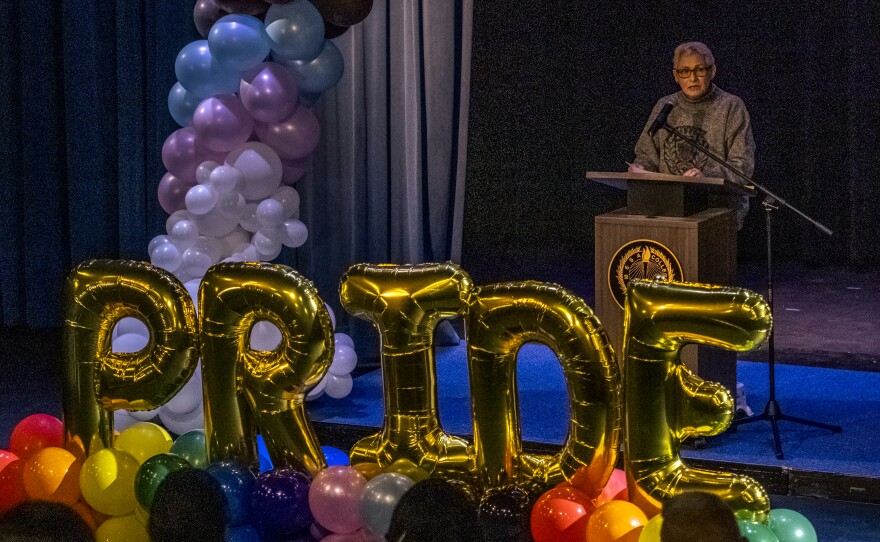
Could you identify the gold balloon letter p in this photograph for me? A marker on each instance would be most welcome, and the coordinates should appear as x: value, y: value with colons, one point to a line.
x: 666, y: 403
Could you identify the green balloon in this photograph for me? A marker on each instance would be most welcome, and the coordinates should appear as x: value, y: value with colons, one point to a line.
x: 791, y: 526
x: 191, y: 446
x: 152, y: 472
x: 755, y: 532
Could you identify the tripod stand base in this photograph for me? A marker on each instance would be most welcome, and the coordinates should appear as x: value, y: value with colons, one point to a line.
x: 773, y: 414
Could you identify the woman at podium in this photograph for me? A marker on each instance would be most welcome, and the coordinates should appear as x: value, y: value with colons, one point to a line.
x: 715, y: 119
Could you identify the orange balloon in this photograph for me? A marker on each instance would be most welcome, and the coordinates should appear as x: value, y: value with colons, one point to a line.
x: 12, y: 491
x: 52, y: 474
x: 86, y: 512
x: 561, y: 515
x: 613, y: 520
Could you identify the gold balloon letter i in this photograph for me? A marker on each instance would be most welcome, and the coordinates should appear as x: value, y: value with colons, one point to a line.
x: 666, y: 403
x: 405, y: 303
x: 246, y: 389
x: 505, y: 316
x: 97, y: 380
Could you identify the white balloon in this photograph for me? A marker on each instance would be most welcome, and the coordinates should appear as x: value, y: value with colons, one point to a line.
x: 187, y: 399
x: 234, y: 238
x: 344, y: 360
x: 183, y: 423
x: 294, y: 233
x: 318, y: 390
x: 231, y: 204
x: 267, y: 242
x: 143, y: 415
x: 122, y: 420
x: 289, y: 198
x: 249, y: 253
x: 270, y: 213
x: 166, y: 256
x: 130, y: 342
x: 332, y: 314
x: 265, y: 336
x: 225, y: 179
x: 192, y: 288
x: 248, y: 219
x: 184, y: 234
x: 343, y: 339
x: 200, y: 199
x: 130, y: 325
x: 215, y: 224
x: 338, y: 386
x: 203, y: 172
x: 260, y: 166
x: 196, y: 261
x: 156, y: 241
x: 175, y: 217
x: 211, y: 245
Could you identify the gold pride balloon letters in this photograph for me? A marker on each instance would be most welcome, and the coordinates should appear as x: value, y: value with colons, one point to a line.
x: 247, y: 390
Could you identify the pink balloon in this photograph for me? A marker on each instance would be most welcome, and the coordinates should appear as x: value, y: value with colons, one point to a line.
x: 172, y: 193
x: 293, y: 170
x: 268, y: 91
x: 335, y: 496
x: 615, y: 489
x: 293, y: 138
x: 222, y: 123
x: 182, y: 153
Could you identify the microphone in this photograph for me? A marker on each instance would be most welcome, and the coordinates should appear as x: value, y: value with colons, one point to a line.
x: 660, y: 121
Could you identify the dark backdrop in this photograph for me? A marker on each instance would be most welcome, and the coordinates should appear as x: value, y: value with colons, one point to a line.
x: 563, y: 87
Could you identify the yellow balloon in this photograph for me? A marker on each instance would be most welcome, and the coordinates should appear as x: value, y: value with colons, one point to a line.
x: 143, y: 440
x: 107, y: 481
x: 98, y: 381
x: 246, y: 388
x: 666, y: 403
x: 406, y: 303
x: 122, y: 529
x: 502, y: 318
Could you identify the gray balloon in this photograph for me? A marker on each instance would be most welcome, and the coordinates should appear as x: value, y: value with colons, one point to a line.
x: 380, y: 498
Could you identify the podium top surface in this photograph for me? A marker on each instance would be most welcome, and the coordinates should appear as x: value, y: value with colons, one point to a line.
x: 620, y: 179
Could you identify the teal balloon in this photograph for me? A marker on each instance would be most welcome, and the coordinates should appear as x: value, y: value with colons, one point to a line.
x: 755, y: 532
x: 320, y: 74
x: 379, y: 499
x: 791, y: 526
x: 152, y: 472
x: 295, y: 30
x: 191, y: 447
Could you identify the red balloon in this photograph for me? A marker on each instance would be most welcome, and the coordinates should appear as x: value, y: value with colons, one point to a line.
x: 12, y: 491
x: 561, y: 515
x: 6, y: 457
x: 34, y: 433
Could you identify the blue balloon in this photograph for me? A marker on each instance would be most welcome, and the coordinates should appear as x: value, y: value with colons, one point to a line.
x: 199, y: 74
x: 280, y: 503
x: 182, y: 105
x: 335, y: 457
x: 238, y: 42
x: 295, y: 30
x: 263, y: 452
x: 237, y: 483
x: 243, y: 533
x: 321, y: 73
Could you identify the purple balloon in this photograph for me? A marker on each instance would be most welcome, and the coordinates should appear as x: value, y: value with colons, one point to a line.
x: 293, y: 138
x: 222, y: 123
x: 293, y: 170
x: 172, y: 193
x: 268, y: 91
x: 182, y: 153
x: 205, y: 14
x: 280, y: 503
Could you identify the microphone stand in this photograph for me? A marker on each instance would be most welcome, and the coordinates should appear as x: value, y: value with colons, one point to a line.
x: 772, y: 412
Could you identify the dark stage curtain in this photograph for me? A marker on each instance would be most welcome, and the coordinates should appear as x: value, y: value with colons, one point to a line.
x: 85, y: 115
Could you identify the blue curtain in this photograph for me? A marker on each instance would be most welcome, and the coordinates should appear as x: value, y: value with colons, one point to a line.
x: 85, y: 114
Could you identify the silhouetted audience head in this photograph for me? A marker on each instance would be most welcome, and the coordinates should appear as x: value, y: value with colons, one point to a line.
x: 435, y: 510
x: 188, y: 505
x: 44, y: 521
x: 698, y: 517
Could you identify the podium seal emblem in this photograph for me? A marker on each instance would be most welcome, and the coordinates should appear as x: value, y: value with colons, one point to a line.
x: 641, y: 259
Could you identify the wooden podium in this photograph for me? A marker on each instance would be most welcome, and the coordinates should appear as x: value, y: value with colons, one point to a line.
x: 667, y: 228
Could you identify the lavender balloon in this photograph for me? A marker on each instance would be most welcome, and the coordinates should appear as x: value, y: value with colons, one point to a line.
x: 172, y: 193
x: 182, y: 153
x: 222, y: 123
x: 293, y: 138
x: 269, y: 92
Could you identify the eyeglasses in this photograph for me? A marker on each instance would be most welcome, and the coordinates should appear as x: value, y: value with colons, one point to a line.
x: 701, y: 71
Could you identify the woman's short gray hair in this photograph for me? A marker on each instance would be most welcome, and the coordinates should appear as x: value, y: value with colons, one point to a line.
x: 693, y: 47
